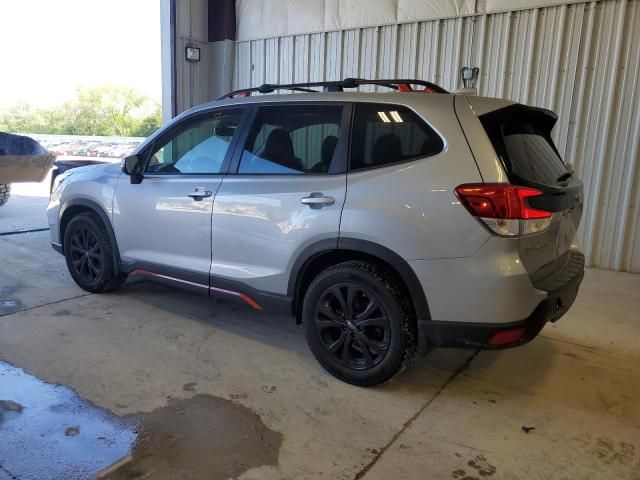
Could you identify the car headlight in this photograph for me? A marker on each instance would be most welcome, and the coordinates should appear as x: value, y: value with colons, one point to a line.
x: 57, y: 183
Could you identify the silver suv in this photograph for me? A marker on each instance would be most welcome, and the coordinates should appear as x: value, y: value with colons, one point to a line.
x: 386, y: 223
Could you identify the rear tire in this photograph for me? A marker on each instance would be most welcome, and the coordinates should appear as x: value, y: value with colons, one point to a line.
x: 89, y: 254
x: 5, y: 193
x: 358, y: 323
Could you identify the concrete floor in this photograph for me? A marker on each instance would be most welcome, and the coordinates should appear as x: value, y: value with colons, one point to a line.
x: 454, y: 415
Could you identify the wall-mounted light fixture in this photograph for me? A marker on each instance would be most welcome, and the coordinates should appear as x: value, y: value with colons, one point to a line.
x: 469, y: 76
x: 192, y: 54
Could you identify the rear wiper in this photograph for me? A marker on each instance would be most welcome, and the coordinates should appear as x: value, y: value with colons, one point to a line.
x: 565, y: 176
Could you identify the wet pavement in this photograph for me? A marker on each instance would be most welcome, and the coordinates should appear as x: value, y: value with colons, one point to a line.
x: 48, y: 432
x: 26, y: 208
x: 200, y: 438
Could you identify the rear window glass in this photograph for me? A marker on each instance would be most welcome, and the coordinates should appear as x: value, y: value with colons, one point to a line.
x: 384, y: 134
x: 522, y: 139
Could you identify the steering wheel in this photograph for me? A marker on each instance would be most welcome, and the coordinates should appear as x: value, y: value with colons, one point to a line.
x: 168, y: 168
x: 153, y: 161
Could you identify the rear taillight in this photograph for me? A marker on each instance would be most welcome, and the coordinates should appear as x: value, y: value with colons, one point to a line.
x: 504, y: 208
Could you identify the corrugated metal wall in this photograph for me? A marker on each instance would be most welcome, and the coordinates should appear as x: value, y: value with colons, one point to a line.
x: 580, y: 60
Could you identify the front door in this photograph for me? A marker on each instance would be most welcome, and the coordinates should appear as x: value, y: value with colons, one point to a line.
x: 286, y: 193
x: 165, y: 221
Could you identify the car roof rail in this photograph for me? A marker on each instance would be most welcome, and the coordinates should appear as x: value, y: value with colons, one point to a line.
x: 398, y: 84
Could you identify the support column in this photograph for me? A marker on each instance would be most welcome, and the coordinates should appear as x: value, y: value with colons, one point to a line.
x: 222, y: 35
x: 207, y: 25
x: 167, y: 47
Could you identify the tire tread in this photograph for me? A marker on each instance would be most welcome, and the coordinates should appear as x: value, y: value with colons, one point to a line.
x: 111, y: 280
x: 5, y: 193
x: 408, y: 319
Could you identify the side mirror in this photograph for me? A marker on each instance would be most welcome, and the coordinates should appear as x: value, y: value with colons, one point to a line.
x: 132, y: 166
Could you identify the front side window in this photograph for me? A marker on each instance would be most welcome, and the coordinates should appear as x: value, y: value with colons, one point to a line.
x: 292, y: 139
x: 384, y: 134
x: 199, y: 147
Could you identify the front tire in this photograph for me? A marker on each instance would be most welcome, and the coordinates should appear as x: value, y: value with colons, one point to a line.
x: 89, y: 254
x: 358, y: 323
x: 5, y: 193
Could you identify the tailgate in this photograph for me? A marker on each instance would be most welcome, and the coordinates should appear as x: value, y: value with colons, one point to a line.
x: 521, y: 136
x: 547, y: 252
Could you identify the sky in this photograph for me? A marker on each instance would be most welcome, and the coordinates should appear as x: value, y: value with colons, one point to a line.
x: 49, y: 47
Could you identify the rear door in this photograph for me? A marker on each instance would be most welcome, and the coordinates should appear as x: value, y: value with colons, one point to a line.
x: 284, y: 192
x: 521, y: 136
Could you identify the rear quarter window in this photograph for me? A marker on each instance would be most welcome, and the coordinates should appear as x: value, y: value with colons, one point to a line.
x: 384, y: 134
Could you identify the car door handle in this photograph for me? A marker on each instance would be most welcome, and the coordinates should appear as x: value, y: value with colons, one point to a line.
x: 200, y: 193
x: 317, y: 200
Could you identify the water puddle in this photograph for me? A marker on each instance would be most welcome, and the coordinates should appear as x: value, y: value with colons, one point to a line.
x: 46, y: 431
x: 203, y: 437
x: 9, y: 303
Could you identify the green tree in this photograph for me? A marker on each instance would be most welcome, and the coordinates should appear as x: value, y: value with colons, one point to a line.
x: 20, y: 118
x: 101, y: 110
x: 148, y: 124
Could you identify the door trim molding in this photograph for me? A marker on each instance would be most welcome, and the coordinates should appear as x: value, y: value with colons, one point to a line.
x: 209, y: 285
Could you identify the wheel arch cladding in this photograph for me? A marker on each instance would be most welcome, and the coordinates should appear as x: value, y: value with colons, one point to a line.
x: 323, y: 254
x: 76, y: 207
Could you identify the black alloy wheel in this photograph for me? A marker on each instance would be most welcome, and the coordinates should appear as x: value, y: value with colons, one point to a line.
x: 90, y: 254
x: 86, y: 255
x: 353, y: 326
x: 359, y: 322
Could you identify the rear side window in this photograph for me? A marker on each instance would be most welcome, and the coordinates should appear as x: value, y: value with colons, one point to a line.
x: 384, y: 134
x: 292, y: 139
x: 522, y: 138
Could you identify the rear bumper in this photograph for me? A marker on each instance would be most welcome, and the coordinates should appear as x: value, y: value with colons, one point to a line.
x: 562, y: 289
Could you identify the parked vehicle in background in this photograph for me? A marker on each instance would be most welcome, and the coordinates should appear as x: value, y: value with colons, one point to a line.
x: 386, y: 223
x: 22, y: 159
x: 77, y: 151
